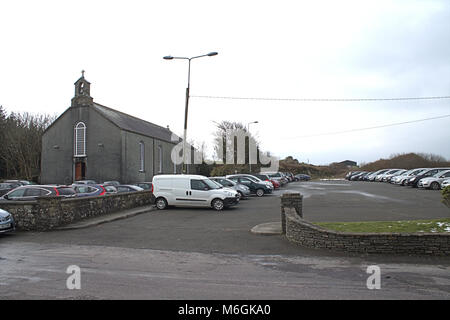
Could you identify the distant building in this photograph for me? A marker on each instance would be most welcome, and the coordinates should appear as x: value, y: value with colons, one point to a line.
x: 91, y: 141
x: 348, y: 163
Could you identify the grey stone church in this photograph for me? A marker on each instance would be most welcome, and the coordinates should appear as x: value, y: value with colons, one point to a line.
x: 91, y: 141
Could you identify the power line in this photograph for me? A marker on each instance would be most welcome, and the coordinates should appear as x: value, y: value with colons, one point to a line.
x: 369, y: 128
x: 322, y: 99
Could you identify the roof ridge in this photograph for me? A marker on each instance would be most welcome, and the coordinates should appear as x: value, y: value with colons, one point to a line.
x: 129, y: 115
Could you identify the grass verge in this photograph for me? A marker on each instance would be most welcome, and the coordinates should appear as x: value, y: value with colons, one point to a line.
x: 411, y: 226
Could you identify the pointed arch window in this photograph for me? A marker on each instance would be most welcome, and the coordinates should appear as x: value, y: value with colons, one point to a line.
x: 80, y: 139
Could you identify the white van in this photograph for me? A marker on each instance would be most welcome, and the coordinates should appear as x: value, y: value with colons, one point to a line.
x: 191, y: 191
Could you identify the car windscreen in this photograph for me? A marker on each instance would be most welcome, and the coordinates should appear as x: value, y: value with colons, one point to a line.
x: 228, y: 182
x: 211, y: 184
x: 217, y: 183
x: 442, y: 174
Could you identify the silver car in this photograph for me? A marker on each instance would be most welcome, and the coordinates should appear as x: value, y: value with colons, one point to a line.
x: 388, y: 176
x: 434, y: 182
x: 373, y: 176
x: 243, y: 191
x: 445, y: 183
x: 403, y: 178
x: 379, y: 177
x: 6, y: 222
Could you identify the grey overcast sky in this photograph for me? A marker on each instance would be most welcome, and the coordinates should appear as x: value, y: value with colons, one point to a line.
x: 267, y: 49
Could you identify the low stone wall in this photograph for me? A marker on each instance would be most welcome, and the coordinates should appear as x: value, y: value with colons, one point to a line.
x: 47, y: 213
x: 290, y: 203
x: 306, y: 234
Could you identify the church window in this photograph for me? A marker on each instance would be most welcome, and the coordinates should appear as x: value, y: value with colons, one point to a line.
x: 80, y: 140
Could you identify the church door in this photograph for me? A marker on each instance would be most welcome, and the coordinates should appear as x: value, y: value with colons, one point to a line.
x: 80, y: 171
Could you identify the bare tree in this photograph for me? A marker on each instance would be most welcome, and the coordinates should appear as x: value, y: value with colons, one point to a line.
x: 21, y: 136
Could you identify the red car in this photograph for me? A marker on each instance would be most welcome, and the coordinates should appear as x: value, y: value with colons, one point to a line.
x: 275, y: 183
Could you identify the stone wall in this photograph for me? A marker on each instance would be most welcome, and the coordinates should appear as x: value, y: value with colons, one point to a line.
x: 306, y: 234
x: 290, y: 203
x: 47, y: 213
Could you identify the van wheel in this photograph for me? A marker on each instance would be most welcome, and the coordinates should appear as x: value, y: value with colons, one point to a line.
x: 161, y: 203
x: 218, y: 204
x: 260, y: 192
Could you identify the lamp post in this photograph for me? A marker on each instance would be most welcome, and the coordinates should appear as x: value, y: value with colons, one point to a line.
x: 184, y: 168
x: 249, y: 153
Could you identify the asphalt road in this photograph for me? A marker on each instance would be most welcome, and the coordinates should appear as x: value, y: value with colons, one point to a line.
x: 201, y: 254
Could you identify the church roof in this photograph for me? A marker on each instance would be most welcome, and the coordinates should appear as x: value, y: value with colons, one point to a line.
x: 136, y: 125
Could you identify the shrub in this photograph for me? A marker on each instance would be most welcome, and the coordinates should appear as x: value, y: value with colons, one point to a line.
x: 446, y: 196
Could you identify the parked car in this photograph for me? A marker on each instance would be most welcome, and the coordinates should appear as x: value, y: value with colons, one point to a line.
x: 397, y: 178
x: 403, y: 178
x: 128, y: 188
x: 244, y: 191
x: 355, y: 177
x: 111, y: 183
x: 31, y: 192
x: 347, y: 176
x: 276, y: 184
x: 362, y: 176
x: 265, y: 177
x: 302, y: 177
x: 110, y: 189
x: 290, y: 176
x: 256, y: 187
x: 388, y: 175
x: 380, y: 177
x: 414, y: 181
x: 89, y: 190
x: 434, y: 182
x: 375, y: 174
x: 85, y: 182
x: 7, y: 223
x: 352, y: 174
x: 278, y: 176
x: 5, y: 187
x: 191, y: 191
x: 365, y: 176
x: 21, y: 182
x: 445, y: 183
x: 267, y: 183
x: 145, y: 185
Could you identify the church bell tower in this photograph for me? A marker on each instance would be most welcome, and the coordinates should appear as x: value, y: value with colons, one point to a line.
x: 82, y: 92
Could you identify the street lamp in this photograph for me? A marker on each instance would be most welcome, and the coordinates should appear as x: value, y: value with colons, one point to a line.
x: 187, y: 99
x: 249, y: 153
